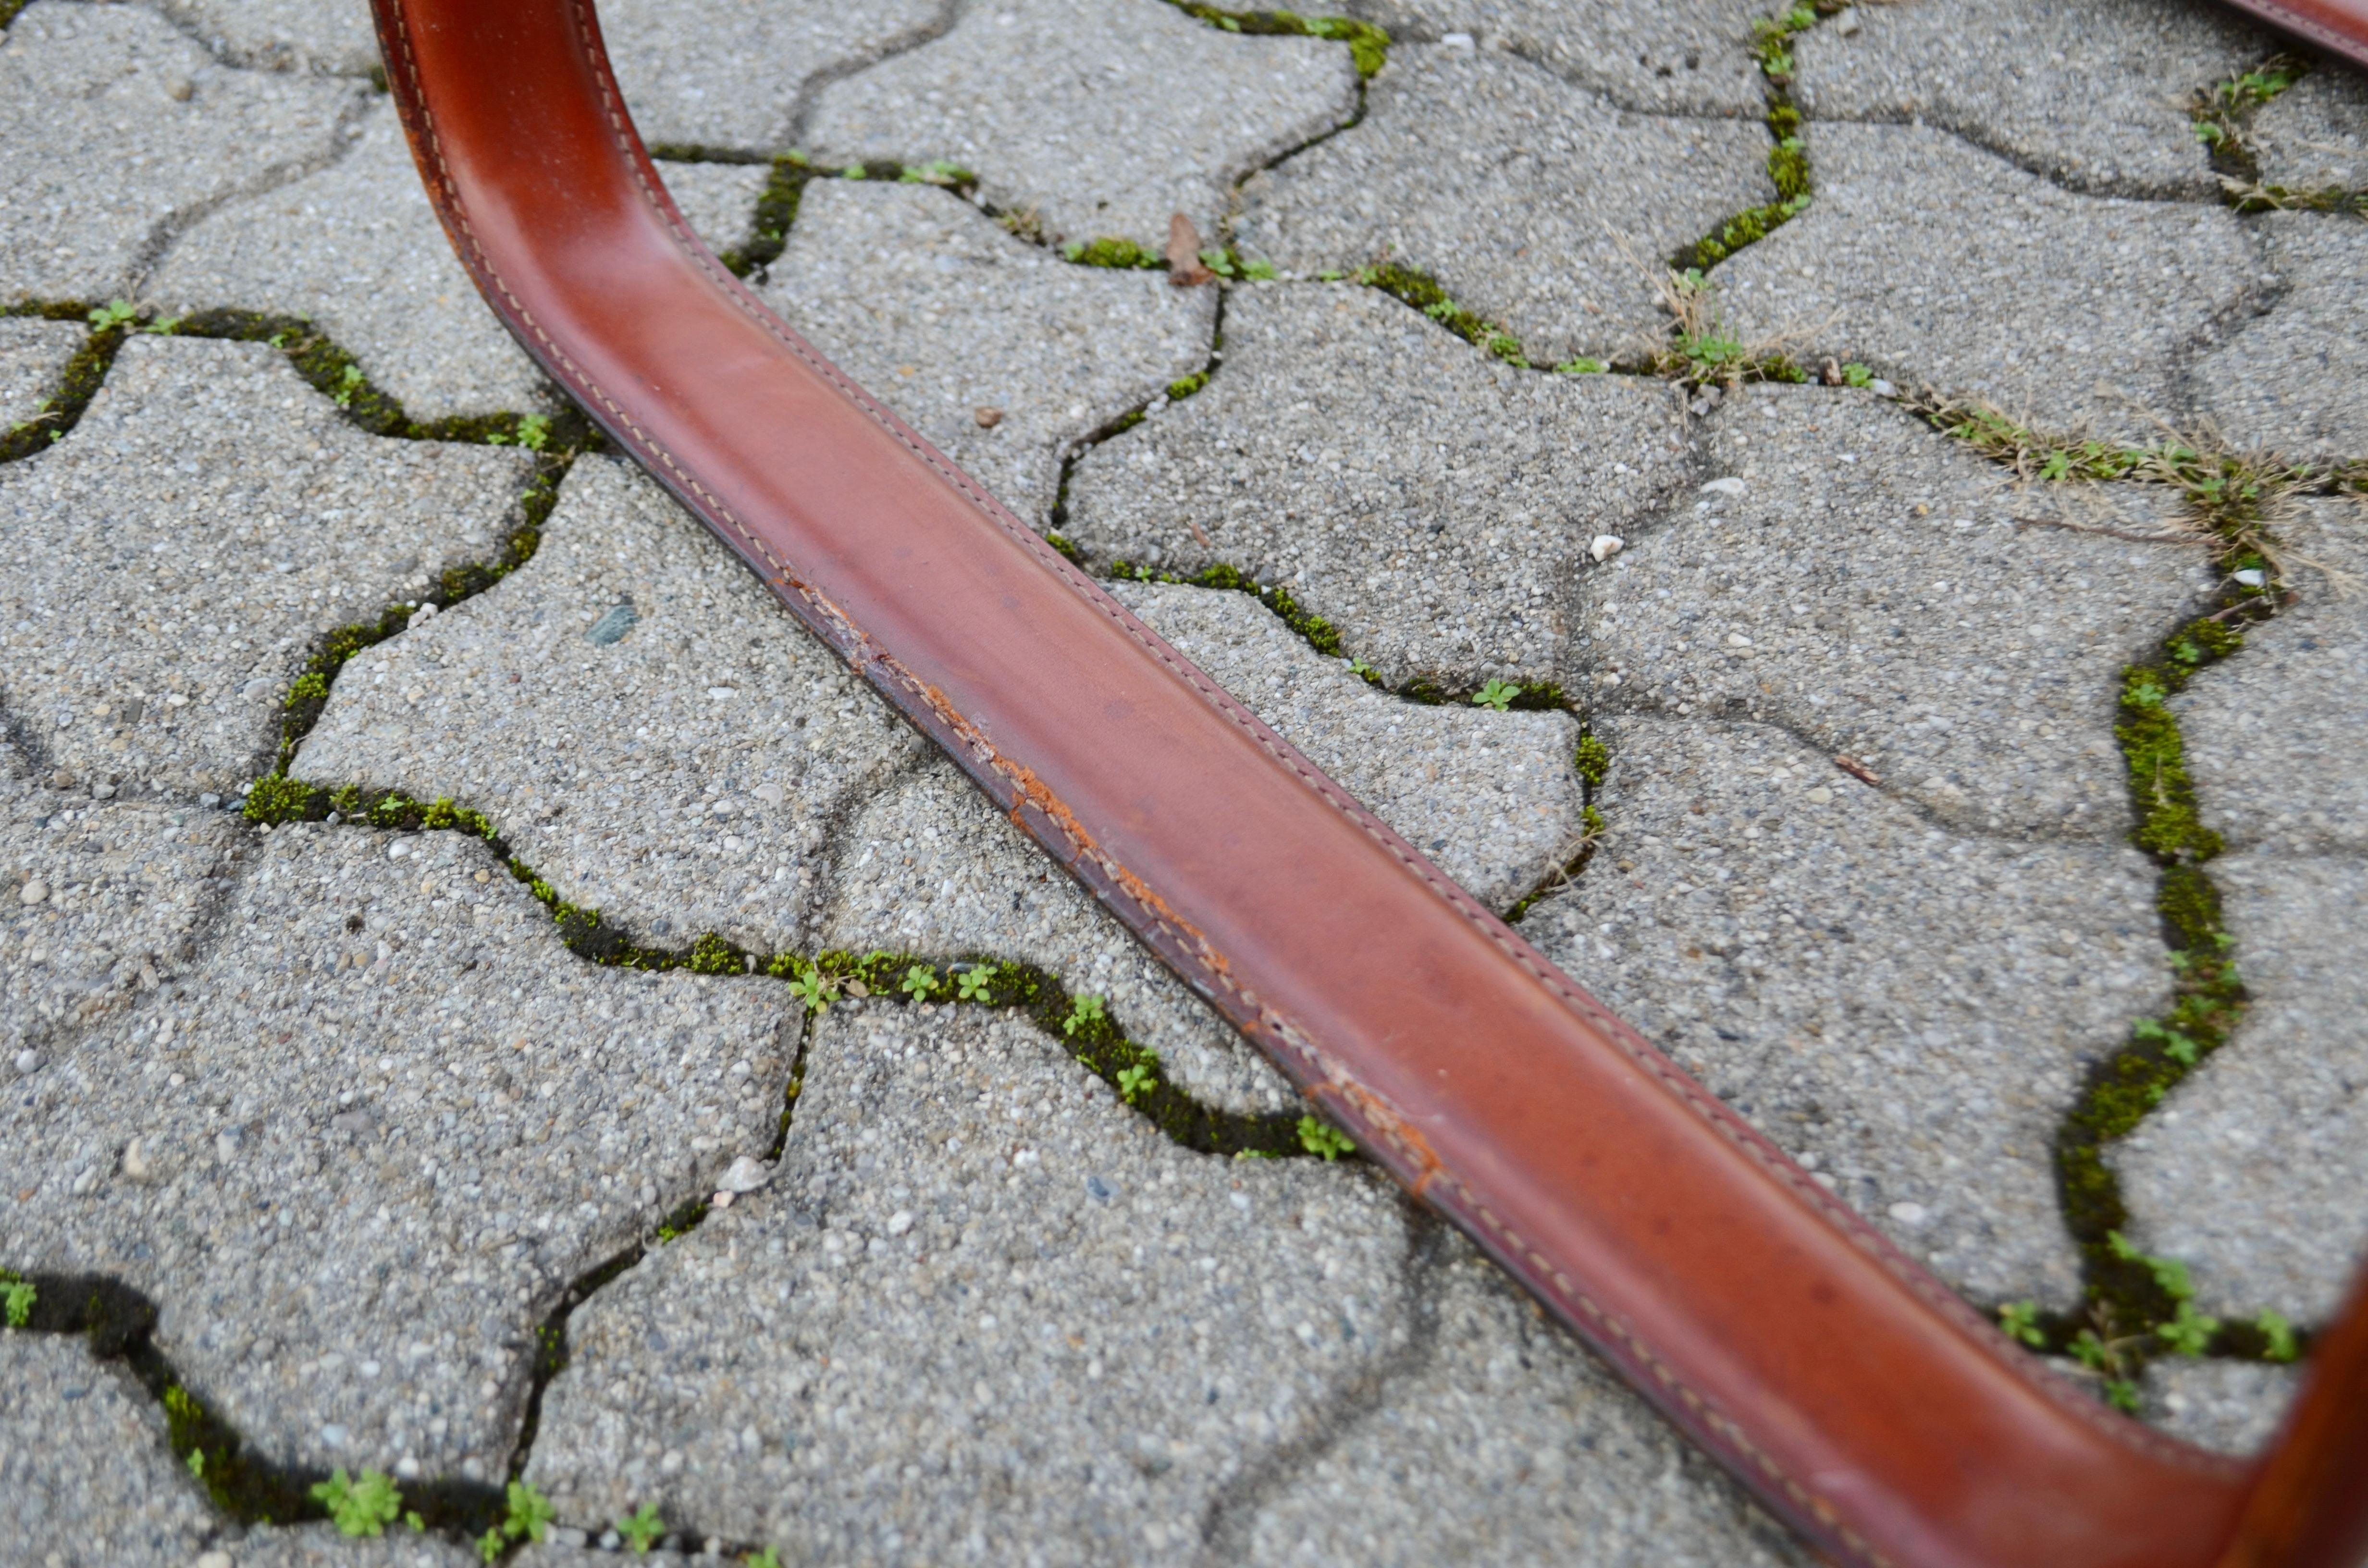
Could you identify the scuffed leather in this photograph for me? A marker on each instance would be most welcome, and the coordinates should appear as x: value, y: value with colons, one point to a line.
x: 1852, y: 1391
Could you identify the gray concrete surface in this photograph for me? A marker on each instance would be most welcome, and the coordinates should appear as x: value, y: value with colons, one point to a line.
x: 33, y: 355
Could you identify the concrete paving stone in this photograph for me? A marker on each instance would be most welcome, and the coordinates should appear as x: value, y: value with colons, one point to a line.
x: 116, y: 130
x: 1492, y: 799
x: 1860, y: 580
x: 1535, y: 203
x: 983, y: 1313
x: 925, y: 299
x: 98, y: 903
x: 1906, y: 1011
x: 84, y: 1468
x: 928, y: 867
x: 1101, y: 116
x: 358, y: 1152
x: 2092, y: 93
x: 2232, y: 1407
x: 1509, y: 1445
x: 2254, y: 1171
x: 357, y: 248
x: 2257, y: 728
x: 178, y: 556
x: 1940, y: 265
x: 33, y: 355
x: 1431, y: 502
x: 679, y: 765
x: 329, y: 35
x: 2288, y: 381
x: 2313, y: 136
x: 731, y: 72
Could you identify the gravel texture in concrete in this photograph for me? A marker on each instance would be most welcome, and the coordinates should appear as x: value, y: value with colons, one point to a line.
x: 1940, y: 265
x: 33, y: 355
x: 730, y: 73
x: 1876, y: 589
x: 178, y: 556
x: 980, y: 1313
x: 2231, y: 1408
x: 83, y: 1470
x: 2313, y: 136
x: 2255, y: 1171
x: 2289, y: 381
x: 1431, y: 502
x: 650, y: 730
x: 323, y: 36
x: 2254, y: 728
x: 2095, y: 95
x: 374, y: 270
x: 116, y: 131
x: 1095, y: 118
x: 1906, y: 1011
x: 1504, y: 1444
x: 1002, y: 355
x: 358, y: 1152
x: 1534, y: 203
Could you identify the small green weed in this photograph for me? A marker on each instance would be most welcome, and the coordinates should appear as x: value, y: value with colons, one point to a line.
x: 2278, y: 1335
x: 531, y: 1513
x: 1594, y: 761
x: 1323, y: 1139
x: 918, y: 983
x: 2020, y: 1322
x: 112, y: 314
x: 17, y: 1299
x: 359, y: 1507
x: 1497, y: 694
x: 1581, y: 366
x: 1261, y: 270
x: 1135, y: 1082
x: 1084, y: 1012
x: 975, y: 983
x: 768, y: 1558
x: 1114, y: 253
x: 813, y: 988
x: 642, y: 1528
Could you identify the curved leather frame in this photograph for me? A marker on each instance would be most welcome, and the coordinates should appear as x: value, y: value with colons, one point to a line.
x: 2341, y: 26
x: 1854, y: 1393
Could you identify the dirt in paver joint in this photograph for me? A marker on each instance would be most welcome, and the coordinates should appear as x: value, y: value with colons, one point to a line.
x: 500, y: 1029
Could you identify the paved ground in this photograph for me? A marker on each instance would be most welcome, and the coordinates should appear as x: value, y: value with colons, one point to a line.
x: 494, y: 1014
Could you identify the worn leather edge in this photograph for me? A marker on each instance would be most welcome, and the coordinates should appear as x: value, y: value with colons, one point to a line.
x: 2339, y: 26
x: 1386, y: 1127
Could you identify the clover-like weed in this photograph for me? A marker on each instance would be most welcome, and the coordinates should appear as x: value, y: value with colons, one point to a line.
x: 359, y: 1507
x: 1323, y: 1139
x: 1084, y: 1012
x: 642, y: 1528
x: 1135, y: 1082
x: 1497, y: 694
x: 813, y: 988
x: 531, y: 1513
x: 2020, y: 1321
x: 113, y: 314
x: 17, y: 1299
x: 918, y: 983
x: 975, y: 983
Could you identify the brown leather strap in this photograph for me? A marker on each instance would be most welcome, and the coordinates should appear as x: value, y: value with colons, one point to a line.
x: 2309, y: 1509
x: 2341, y: 26
x: 1854, y: 1393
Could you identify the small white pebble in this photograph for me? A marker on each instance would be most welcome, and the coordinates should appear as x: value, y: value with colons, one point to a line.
x: 900, y: 1221
x: 1605, y: 546
x: 1728, y: 486
x: 1907, y: 1214
x: 33, y: 892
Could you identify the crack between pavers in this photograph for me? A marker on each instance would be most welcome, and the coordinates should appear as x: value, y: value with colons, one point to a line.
x: 807, y: 98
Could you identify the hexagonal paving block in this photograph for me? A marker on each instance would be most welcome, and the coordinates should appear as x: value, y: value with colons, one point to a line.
x: 115, y: 131
x: 1429, y: 501
x: 357, y: 1153
x: 953, y: 322
x: 1098, y: 118
x: 982, y: 1311
x: 2287, y: 380
x: 2095, y: 94
x: 646, y: 725
x: 1876, y: 589
x: 2313, y: 136
x: 1942, y: 264
x: 357, y: 248
x: 1908, y: 1012
x: 1534, y: 203
x: 33, y: 355
x: 178, y: 556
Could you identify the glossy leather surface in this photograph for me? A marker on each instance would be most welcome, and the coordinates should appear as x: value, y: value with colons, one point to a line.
x: 2339, y: 26
x: 1851, y: 1391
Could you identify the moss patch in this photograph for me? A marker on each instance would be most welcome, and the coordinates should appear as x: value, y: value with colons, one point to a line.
x: 1368, y: 46
x: 78, y: 382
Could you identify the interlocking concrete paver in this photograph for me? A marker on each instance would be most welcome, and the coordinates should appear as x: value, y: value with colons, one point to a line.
x: 1864, y: 582
x: 2255, y: 728
x: 1098, y: 118
x: 948, y: 316
x: 115, y: 129
x: 98, y: 903
x: 983, y: 1313
x: 1533, y: 202
x: 33, y: 355
x: 2231, y: 1406
x: 1509, y: 1445
x: 1429, y: 501
x: 1942, y: 264
x: 83, y: 1470
x: 333, y: 36
x: 730, y: 73
x: 644, y: 723
x: 356, y: 248
x: 2255, y: 1170
x: 177, y: 557
x: 1492, y: 799
x: 1906, y: 1011
x: 2313, y: 136
x: 358, y: 1152
x: 2289, y: 381
x: 2095, y: 96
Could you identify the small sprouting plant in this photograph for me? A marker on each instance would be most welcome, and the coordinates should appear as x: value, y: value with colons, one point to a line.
x: 935, y: 172
x: 112, y: 314
x: 768, y: 1558
x: 531, y: 1513
x: 349, y: 384
x: 1582, y: 366
x: 414, y: 1523
x: 2189, y: 1332
x: 1123, y: 254
x: 1137, y: 1081
x: 1330, y: 275
x: 197, y: 1463
x: 1323, y: 1139
x: 1261, y: 269
x: 2181, y: 1047
x: 359, y: 1507
x: 490, y: 1544
x: 1857, y: 375
x: 2280, y: 1334
x: 1497, y: 694
x: 974, y: 984
x: 1084, y: 1012
x: 17, y: 1298
x: 918, y: 983
x: 1218, y: 262
x: 163, y: 326
x: 2020, y: 1321
x: 533, y: 432
x: 642, y: 1528
x: 812, y: 989
x: 855, y: 171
